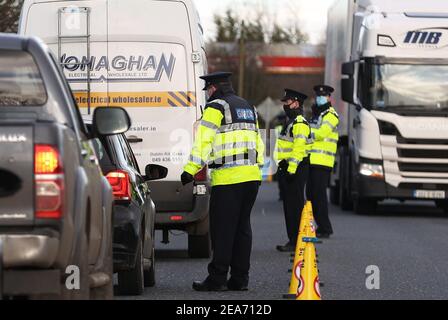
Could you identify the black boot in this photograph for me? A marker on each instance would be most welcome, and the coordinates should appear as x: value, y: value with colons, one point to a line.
x: 289, y: 247
x: 206, y: 285
x: 233, y: 285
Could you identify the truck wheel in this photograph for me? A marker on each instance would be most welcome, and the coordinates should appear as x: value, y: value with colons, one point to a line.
x: 345, y: 200
x: 199, y: 247
x: 150, y: 274
x: 130, y: 282
x: 365, y: 206
x: 442, y: 204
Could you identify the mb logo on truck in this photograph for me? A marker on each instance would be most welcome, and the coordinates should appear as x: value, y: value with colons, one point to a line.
x: 423, y: 37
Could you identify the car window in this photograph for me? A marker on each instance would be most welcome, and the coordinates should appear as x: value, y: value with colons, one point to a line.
x: 102, y: 154
x: 21, y: 83
x: 127, y: 152
x: 131, y: 153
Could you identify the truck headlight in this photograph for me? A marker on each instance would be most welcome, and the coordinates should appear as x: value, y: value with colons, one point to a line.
x: 372, y: 170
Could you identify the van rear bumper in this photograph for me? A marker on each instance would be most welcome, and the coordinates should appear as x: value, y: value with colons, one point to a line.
x: 166, y: 220
x: 32, y: 251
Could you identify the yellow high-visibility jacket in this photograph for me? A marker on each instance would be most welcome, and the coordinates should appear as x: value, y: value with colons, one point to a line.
x: 229, y: 142
x: 293, y: 143
x: 325, y: 138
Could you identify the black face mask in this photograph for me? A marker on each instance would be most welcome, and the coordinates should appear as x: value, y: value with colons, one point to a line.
x: 292, y: 113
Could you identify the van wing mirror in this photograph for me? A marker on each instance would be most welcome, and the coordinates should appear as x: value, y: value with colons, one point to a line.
x: 155, y: 172
x: 110, y: 120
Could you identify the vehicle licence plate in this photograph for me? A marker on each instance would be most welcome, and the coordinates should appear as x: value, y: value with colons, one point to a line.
x: 425, y: 194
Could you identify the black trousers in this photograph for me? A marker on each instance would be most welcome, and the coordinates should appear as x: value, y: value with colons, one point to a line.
x: 231, y: 232
x: 317, y: 185
x: 294, y: 198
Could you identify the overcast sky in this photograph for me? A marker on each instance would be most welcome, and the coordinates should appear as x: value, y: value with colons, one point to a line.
x: 312, y: 14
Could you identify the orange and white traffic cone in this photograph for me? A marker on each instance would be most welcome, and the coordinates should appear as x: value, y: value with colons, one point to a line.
x: 298, y: 256
x: 309, y: 287
x: 306, y: 229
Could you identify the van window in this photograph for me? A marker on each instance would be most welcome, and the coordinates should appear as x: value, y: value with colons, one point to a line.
x: 20, y: 81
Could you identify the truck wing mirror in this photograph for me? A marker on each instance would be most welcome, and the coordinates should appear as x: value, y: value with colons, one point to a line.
x: 110, y: 120
x: 348, y: 69
x: 348, y: 87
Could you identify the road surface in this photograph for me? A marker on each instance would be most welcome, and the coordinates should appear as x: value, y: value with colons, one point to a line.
x: 407, y: 243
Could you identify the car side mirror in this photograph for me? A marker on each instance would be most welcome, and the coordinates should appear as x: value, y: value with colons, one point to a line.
x: 110, y: 120
x: 155, y: 172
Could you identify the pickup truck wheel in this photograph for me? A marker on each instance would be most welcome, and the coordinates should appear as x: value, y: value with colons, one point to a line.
x: 199, y: 247
x: 364, y: 206
x: 82, y: 262
x: 130, y: 282
x: 150, y: 274
x: 106, y: 292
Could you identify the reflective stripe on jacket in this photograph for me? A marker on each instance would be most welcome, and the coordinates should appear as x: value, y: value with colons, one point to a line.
x: 229, y: 142
x: 293, y: 144
x: 326, y: 137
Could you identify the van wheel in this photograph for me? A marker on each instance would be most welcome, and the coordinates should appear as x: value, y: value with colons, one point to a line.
x: 150, y: 274
x: 199, y: 247
x: 130, y: 282
x: 443, y: 205
x: 364, y: 206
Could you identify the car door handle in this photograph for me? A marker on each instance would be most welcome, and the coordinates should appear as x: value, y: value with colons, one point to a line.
x: 134, y: 139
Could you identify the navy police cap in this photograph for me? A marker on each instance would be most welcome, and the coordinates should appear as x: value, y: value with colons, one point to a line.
x: 216, y: 78
x: 294, y: 95
x: 323, y: 90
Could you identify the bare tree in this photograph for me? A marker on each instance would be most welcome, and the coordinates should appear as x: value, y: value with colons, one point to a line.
x: 9, y: 15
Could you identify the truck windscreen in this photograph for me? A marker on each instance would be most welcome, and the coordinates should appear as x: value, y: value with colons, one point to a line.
x: 410, y: 87
x: 20, y: 80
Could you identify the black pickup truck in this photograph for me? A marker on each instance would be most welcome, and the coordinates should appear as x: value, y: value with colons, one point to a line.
x: 55, y: 203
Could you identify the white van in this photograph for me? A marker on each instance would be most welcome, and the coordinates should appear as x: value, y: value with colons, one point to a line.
x: 146, y: 56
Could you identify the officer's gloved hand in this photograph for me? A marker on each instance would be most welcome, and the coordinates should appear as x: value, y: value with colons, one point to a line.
x: 186, y: 178
x: 283, y: 165
x: 290, y: 177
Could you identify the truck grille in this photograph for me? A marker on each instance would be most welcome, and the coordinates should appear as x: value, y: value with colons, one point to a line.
x: 422, y: 153
x: 421, y: 167
x: 402, y: 140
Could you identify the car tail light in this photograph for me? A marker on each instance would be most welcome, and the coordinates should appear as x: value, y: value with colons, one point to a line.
x: 120, y: 183
x: 49, y: 182
x: 176, y: 218
x: 46, y: 160
x: 201, y: 175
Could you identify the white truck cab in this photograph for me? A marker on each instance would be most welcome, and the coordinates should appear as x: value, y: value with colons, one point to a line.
x: 389, y: 63
x: 146, y: 56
